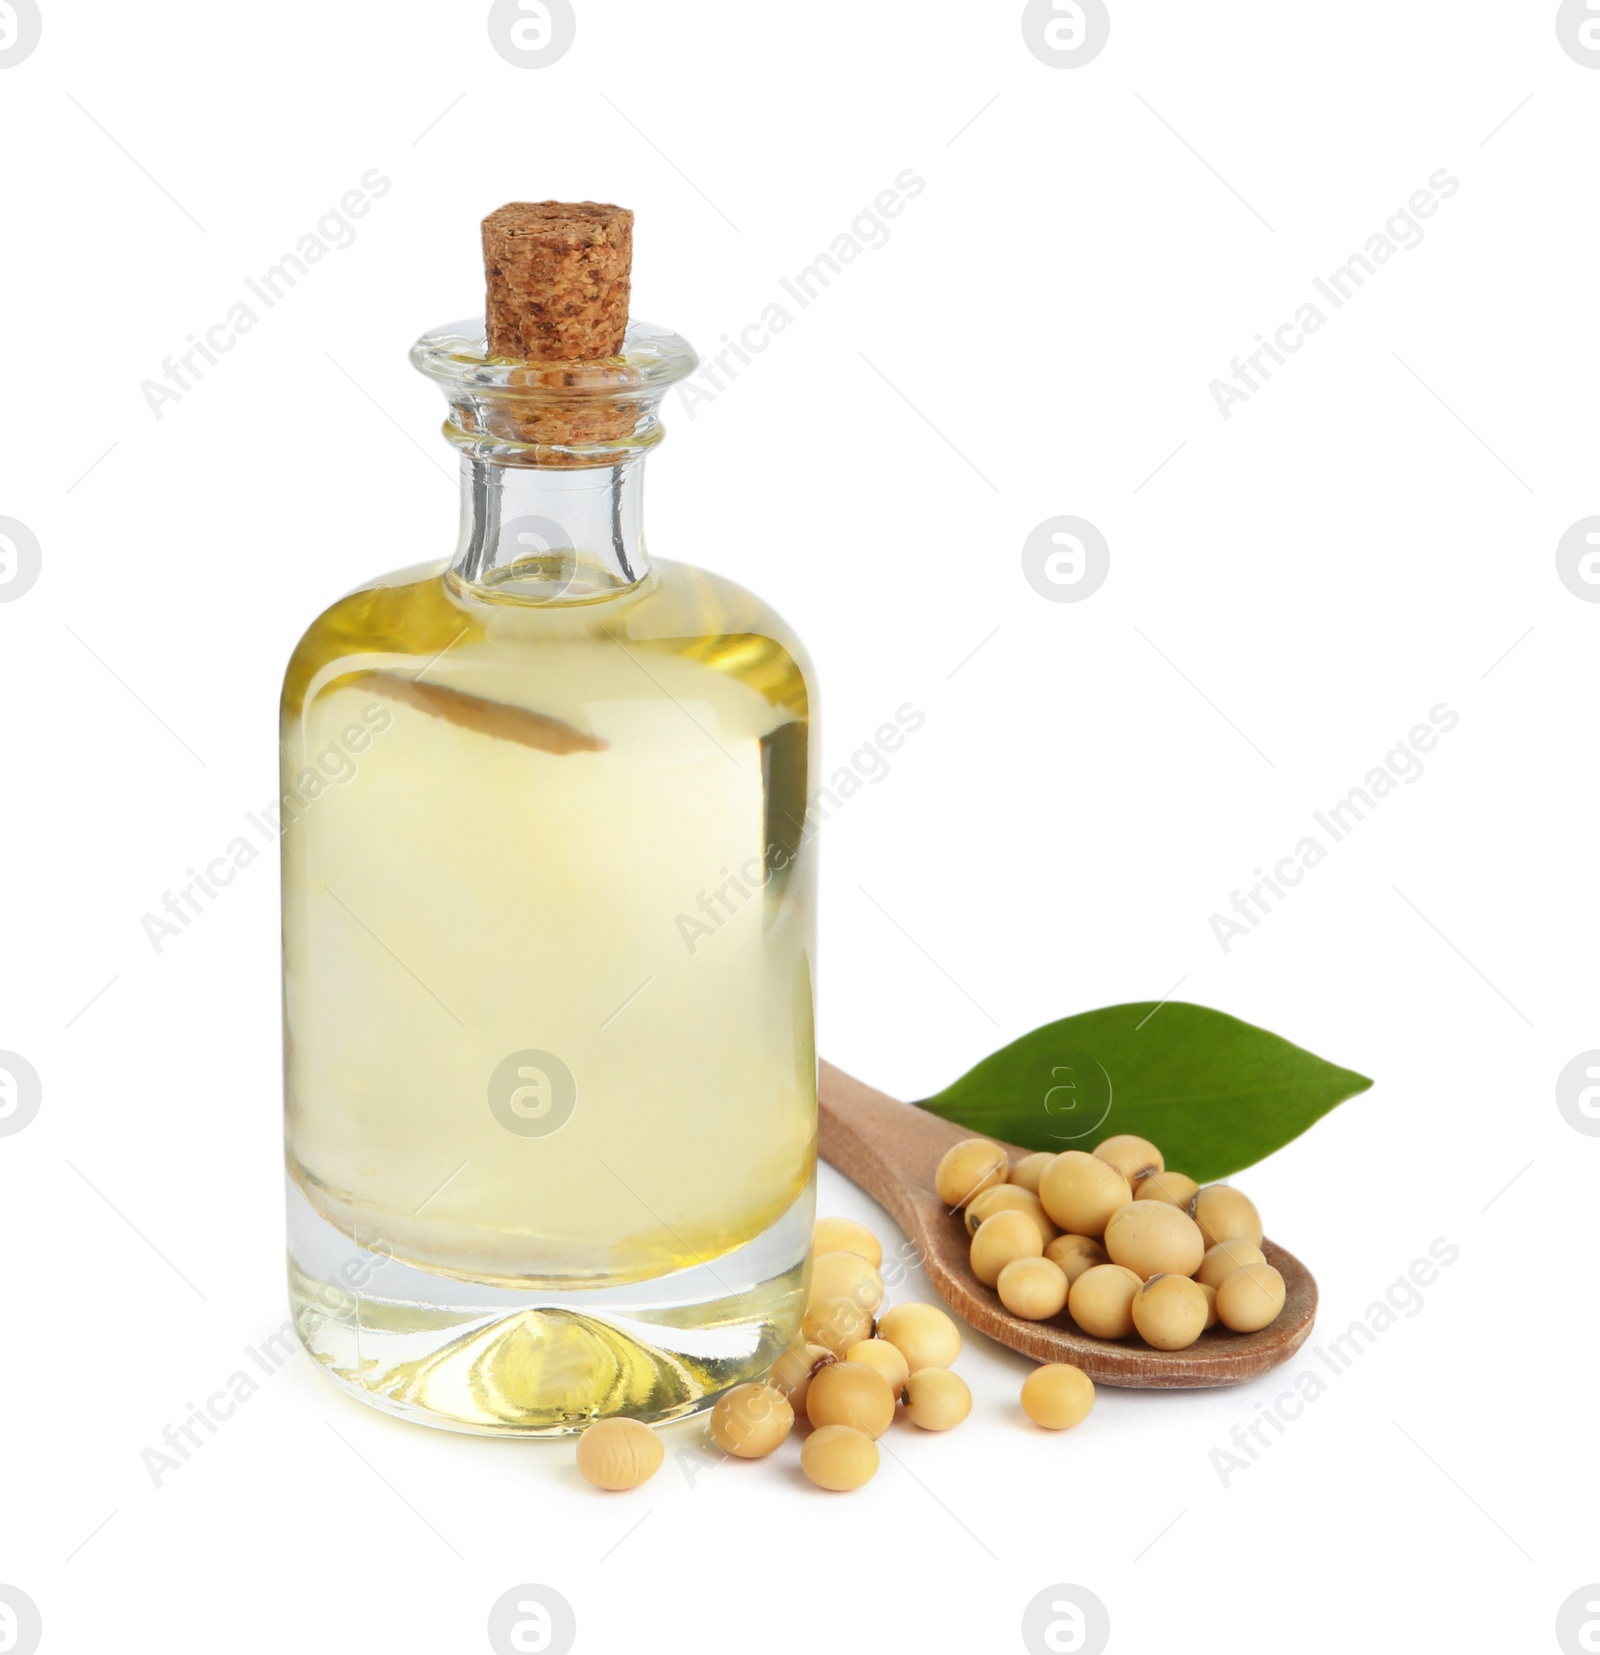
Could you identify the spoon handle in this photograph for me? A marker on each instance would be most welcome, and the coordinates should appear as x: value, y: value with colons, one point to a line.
x: 887, y: 1148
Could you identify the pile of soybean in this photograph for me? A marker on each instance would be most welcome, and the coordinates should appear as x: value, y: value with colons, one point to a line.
x: 1113, y: 1239
x: 856, y: 1369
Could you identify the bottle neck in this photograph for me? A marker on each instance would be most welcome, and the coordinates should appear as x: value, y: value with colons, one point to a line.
x: 551, y: 534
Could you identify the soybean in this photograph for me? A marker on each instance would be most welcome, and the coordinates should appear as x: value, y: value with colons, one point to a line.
x: 619, y: 1453
x: 751, y: 1420
x: 884, y: 1358
x: 1030, y: 1169
x: 1153, y: 1239
x: 843, y: 1235
x: 1226, y: 1257
x: 1009, y: 1198
x: 1170, y: 1312
x: 839, y: 1458
x: 846, y: 1276
x: 836, y: 1323
x: 1081, y: 1192
x: 924, y: 1335
x: 1006, y: 1236
x: 937, y: 1400
x: 968, y: 1168
x: 1101, y: 1301
x: 1057, y: 1396
x: 1177, y: 1189
x: 851, y: 1393
x: 792, y: 1373
x: 1225, y: 1214
x: 1250, y: 1298
x: 1075, y: 1254
x: 1134, y: 1157
x: 1033, y: 1288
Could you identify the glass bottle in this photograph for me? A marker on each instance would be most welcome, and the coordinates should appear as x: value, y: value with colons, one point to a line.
x: 549, y: 939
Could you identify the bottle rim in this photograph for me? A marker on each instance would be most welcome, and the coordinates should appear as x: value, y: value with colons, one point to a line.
x: 456, y: 357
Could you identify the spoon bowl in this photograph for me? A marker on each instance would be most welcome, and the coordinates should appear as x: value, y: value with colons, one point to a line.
x: 891, y: 1149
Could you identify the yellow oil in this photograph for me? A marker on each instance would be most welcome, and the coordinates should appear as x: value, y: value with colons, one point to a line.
x: 574, y: 830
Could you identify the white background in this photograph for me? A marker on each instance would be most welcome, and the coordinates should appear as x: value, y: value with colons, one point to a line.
x: 1288, y: 595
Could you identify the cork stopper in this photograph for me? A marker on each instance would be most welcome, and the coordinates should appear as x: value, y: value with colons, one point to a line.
x: 559, y: 276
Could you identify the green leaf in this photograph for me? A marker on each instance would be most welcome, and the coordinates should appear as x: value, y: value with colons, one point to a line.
x: 1213, y: 1094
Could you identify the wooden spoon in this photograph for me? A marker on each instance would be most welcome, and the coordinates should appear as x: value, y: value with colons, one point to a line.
x: 891, y: 1150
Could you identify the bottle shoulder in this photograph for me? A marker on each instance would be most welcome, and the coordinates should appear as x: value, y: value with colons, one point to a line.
x: 686, y: 616
x: 396, y: 615
x: 688, y: 601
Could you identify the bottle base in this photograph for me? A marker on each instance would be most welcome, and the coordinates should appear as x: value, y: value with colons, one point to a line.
x: 499, y: 1361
